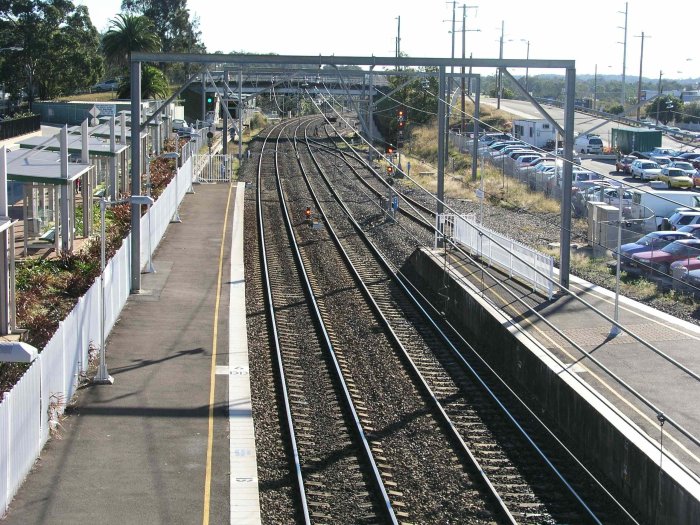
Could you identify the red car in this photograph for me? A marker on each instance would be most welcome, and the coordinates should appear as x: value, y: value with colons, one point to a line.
x: 623, y: 163
x: 688, y: 264
x: 660, y: 260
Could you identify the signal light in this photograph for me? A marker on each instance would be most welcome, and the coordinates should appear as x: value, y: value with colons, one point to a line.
x: 210, y: 100
x: 390, y: 169
x: 389, y: 150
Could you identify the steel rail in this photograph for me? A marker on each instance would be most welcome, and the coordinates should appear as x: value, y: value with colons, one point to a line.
x: 413, y: 368
x: 329, y: 346
x: 273, y: 326
x: 404, y: 284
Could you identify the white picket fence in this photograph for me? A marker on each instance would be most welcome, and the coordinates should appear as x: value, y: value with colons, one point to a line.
x: 26, y: 412
x: 512, y: 257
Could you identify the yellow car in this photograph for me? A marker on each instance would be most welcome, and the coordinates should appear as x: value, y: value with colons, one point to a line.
x: 675, y: 178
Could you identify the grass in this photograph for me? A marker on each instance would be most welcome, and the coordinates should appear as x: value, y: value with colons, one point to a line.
x: 105, y: 96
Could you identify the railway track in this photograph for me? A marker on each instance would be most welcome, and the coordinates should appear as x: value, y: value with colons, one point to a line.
x: 517, y: 478
x: 336, y: 480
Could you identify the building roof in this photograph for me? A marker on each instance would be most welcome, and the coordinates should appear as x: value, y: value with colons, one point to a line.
x: 97, y: 146
x: 41, y: 166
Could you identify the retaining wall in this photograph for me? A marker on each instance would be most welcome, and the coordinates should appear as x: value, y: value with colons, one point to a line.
x: 602, y: 438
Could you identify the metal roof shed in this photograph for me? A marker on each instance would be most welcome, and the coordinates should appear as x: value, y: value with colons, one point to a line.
x: 52, y: 169
x: 110, y: 162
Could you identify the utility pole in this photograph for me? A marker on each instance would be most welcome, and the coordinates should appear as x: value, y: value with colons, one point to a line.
x: 464, y: 52
x: 398, y: 41
x: 658, y: 99
x: 641, y: 61
x: 623, y: 99
x: 500, y: 76
x: 527, y: 69
x: 595, y: 89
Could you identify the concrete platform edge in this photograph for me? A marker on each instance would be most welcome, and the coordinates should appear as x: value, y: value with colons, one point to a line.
x: 245, y: 499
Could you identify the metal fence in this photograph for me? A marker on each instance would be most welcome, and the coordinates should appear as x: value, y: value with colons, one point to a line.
x: 210, y: 169
x: 20, y: 126
x: 515, y: 259
x: 30, y: 410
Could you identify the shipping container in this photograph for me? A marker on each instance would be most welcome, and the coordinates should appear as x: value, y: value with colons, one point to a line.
x: 627, y: 140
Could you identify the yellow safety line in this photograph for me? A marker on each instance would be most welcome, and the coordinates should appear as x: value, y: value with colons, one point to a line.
x: 212, y: 378
x: 634, y: 312
x: 593, y: 374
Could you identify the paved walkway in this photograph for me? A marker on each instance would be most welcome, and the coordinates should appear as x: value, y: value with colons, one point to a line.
x: 138, y: 451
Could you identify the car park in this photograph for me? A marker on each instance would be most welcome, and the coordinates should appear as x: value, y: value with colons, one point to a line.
x: 661, y: 260
x: 623, y: 163
x: 675, y: 178
x: 651, y: 241
x: 645, y: 169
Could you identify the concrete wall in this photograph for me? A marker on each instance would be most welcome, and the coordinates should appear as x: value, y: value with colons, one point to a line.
x: 596, y: 433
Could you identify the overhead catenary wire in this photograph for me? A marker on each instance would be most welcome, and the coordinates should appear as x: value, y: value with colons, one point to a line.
x: 575, y: 296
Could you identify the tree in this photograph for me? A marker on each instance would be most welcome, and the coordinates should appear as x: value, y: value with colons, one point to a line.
x: 60, y: 47
x: 664, y: 108
x: 153, y: 84
x: 178, y: 32
x: 129, y: 33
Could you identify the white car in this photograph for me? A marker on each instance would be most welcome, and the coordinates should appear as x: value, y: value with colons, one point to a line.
x: 645, y: 169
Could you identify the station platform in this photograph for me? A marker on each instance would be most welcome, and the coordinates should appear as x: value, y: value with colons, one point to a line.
x: 644, y: 382
x: 172, y: 440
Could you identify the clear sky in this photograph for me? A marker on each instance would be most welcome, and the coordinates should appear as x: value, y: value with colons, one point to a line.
x: 588, y: 32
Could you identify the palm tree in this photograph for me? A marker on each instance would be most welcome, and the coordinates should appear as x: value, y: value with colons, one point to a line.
x: 153, y: 84
x: 129, y: 33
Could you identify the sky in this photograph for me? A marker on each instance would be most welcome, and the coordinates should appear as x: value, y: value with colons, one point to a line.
x: 591, y: 33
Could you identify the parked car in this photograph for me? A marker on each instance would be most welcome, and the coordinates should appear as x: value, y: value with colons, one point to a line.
x: 106, y: 85
x: 660, y: 260
x: 651, y: 241
x: 645, y: 169
x: 526, y: 160
x: 539, y: 161
x: 612, y: 196
x: 686, y: 166
x: 683, y: 218
x: 686, y: 265
x: 696, y: 178
x: 692, y: 229
x: 675, y: 178
x: 693, y: 278
x: 689, y: 156
x: 661, y: 160
x: 623, y: 163
x: 588, y: 144
x: 575, y: 156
